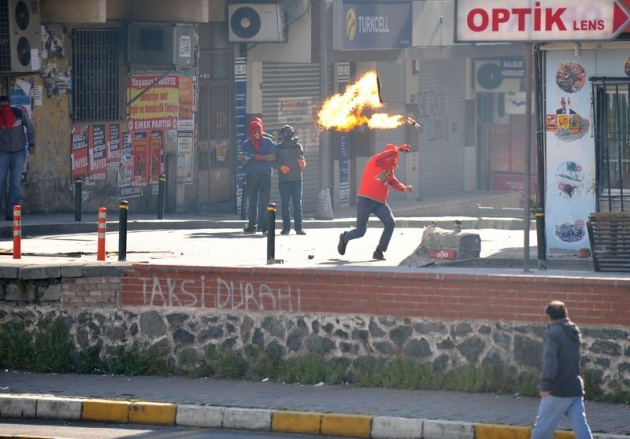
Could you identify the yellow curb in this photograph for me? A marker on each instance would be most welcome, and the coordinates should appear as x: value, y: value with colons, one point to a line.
x: 296, y: 422
x: 491, y: 431
x: 102, y: 410
x: 153, y: 413
x: 562, y: 434
x: 346, y: 425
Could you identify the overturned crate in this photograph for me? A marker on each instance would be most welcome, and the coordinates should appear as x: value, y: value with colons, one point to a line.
x: 609, y: 235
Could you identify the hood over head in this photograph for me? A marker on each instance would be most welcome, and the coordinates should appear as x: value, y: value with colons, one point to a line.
x: 256, y: 132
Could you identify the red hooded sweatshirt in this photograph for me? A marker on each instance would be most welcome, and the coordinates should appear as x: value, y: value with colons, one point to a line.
x: 378, y: 175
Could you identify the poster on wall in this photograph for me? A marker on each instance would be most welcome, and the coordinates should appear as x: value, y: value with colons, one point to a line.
x: 570, y: 161
x: 79, y: 154
x: 140, y: 158
x: 97, y: 148
x: 126, y: 189
x: 156, y: 148
x: 184, y: 156
x: 114, y: 149
x: 186, y: 103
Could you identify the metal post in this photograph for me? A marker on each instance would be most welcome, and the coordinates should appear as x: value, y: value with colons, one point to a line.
x: 122, y: 231
x: 102, y: 218
x: 161, y: 196
x: 528, y: 155
x: 78, y: 185
x: 542, y: 242
x: 17, y: 232
x: 271, y: 233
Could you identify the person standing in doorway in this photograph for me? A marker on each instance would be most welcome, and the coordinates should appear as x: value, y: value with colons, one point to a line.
x: 259, y: 151
x: 378, y: 176
x: 561, y: 386
x: 16, y: 132
x: 290, y: 162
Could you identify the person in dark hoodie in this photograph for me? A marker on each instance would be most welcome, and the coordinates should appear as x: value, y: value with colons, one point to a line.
x: 561, y: 386
x: 16, y: 131
x: 259, y: 151
x: 378, y: 176
x: 290, y: 162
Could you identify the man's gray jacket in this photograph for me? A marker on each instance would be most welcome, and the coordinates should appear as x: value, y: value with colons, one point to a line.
x: 14, y: 139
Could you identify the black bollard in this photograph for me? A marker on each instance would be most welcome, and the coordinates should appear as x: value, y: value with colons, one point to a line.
x: 271, y: 233
x: 122, y: 231
x: 78, y: 185
x: 161, y: 195
x: 542, y: 241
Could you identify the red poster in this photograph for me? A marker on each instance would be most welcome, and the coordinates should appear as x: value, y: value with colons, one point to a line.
x: 114, y: 145
x: 157, y: 140
x: 79, y: 155
x: 140, y: 158
x: 98, y: 153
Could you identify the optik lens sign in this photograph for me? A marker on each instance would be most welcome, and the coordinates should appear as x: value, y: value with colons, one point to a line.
x: 539, y: 21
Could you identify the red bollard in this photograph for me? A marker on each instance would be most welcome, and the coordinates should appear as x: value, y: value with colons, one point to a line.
x: 102, y: 217
x: 17, y: 232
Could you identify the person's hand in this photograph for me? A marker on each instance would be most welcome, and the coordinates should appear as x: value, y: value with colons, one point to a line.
x: 244, y: 159
x: 404, y: 147
x: 543, y: 393
x: 284, y: 169
x: 301, y: 162
x: 31, y: 149
x: 258, y: 157
x: 408, y: 188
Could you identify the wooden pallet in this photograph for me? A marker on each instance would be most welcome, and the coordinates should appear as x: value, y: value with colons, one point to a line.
x: 609, y: 234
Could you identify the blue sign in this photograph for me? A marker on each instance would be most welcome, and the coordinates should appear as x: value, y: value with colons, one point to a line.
x: 240, y: 97
x: 376, y: 25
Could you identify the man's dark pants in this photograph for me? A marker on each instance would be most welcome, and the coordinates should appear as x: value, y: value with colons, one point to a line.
x: 291, y: 191
x: 259, y: 191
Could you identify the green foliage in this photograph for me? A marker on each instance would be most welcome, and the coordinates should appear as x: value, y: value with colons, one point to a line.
x: 133, y: 361
x: 16, y: 347
x: 226, y: 363
x: 527, y: 384
x: 53, y: 349
x: 310, y: 369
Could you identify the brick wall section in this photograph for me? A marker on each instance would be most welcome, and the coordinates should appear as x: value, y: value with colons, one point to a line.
x: 90, y: 291
x: 450, y: 296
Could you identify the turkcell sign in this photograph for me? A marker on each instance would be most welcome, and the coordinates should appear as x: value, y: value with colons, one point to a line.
x: 539, y: 21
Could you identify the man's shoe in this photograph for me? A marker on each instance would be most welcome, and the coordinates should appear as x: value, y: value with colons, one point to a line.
x: 285, y: 232
x: 341, y: 247
x: 300, y: 232
x: 249, y: 230
x: 378, y: 255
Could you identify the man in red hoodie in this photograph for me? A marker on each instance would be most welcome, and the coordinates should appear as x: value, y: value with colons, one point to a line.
x: 378, y: 176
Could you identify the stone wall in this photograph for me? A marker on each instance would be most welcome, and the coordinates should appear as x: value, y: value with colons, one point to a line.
x: 445, y: 319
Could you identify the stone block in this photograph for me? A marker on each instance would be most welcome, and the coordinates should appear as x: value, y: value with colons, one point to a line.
x: 18, y: 406
x: 467, y: 245
x: 389, y: 427
x: 199, y: 416
x: 247, y: 419
x: 66, y: 409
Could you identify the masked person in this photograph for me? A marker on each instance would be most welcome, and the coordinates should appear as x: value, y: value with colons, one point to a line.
x: 290, y: 162
x: 16, y: 131
x: 259, y: 151
x: 378, y: 176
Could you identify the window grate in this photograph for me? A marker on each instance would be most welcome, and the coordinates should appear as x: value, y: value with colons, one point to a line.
x: 5, y: 37
x: 97, y: 63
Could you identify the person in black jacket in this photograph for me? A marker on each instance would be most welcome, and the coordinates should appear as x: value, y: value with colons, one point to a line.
x: 290, y: 162
x: 561, y: 386
x: 16, y: 131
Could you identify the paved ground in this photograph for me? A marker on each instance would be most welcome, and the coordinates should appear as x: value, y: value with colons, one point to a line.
x: 218, y: 240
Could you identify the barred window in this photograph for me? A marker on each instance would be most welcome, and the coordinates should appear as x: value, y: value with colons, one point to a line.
x: 98, y: 75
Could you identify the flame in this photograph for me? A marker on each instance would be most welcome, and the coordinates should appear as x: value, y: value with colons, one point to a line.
x: 357, y: 106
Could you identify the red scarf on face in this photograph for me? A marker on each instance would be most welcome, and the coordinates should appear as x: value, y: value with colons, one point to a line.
x: 256, y: 133
x: 7, y: 118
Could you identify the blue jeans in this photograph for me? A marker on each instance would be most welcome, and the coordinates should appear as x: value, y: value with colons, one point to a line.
x: 291, y: 191
x: 366, y: 207
x: 258, y: 193
x: 11, y: 164
x: 551, y: 411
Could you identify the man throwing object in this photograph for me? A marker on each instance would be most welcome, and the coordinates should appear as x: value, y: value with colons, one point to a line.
x: 378, y: 176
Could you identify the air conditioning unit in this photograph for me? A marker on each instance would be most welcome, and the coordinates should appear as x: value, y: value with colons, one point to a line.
x: 160, y: 45
x: 489, y: 78
x: 20, y: 36
x: 257, y: 23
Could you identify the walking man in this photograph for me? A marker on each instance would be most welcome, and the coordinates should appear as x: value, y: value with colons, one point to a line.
x: 561, y: 387
x: 13, y: 140
x: 378, y: 176
x: 259, y: 151
x: 290, y: 162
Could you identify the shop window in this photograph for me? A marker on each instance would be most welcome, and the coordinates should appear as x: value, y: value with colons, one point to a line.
x: 98, y: 75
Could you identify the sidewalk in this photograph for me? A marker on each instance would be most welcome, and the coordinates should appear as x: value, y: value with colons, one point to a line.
x: 336, y: 410
x: 323, y: 410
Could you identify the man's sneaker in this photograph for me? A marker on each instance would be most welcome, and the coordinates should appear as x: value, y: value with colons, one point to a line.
x: 285, y: 232
x: 341, y: 247
x: 249, y: 230
x: 300, y: 232
x: 378, y: 255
